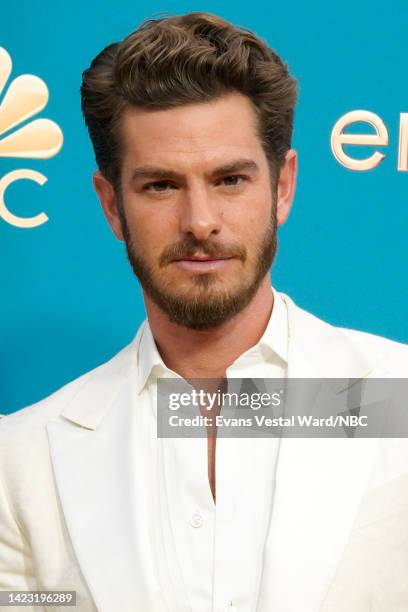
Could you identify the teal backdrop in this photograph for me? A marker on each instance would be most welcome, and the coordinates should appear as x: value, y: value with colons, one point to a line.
x: 68, y: 298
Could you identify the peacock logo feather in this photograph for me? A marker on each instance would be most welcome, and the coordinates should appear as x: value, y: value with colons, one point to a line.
x: 26, y: 96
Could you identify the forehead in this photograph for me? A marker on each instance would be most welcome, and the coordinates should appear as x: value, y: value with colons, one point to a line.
x: 191, y: 134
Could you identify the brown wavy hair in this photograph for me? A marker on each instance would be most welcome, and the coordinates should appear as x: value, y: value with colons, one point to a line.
x: 171, y: 61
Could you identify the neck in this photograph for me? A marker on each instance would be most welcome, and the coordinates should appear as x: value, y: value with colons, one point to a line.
x: 208, y: 353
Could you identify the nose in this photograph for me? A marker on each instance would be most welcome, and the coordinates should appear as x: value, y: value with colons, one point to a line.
x: 199, y: 215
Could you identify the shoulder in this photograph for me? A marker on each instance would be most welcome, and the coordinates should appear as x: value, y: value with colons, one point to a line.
x: 388, y: 355
x: 24, y: 444
x: 33, y: 418
x: 42, y: 411
x: 371, y: 342
x: 333, y: 347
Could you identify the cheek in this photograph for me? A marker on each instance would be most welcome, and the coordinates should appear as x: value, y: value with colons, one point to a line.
x: 248, y: 223
x: 151, y: 231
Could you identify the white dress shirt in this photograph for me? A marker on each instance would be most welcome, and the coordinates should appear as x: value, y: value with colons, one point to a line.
x: 210, y: 556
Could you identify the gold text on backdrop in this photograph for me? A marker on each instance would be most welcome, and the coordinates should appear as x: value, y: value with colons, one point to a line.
x: 380, y: 138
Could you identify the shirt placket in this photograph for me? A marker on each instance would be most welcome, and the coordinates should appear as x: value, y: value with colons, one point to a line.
x: 191, y: 512
x: 245, y: 469
x: 245, y: 482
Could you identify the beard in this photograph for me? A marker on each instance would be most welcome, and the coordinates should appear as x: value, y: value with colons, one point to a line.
x: 205, y: 306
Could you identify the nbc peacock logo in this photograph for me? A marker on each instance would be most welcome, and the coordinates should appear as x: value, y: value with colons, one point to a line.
x: 26, y: 96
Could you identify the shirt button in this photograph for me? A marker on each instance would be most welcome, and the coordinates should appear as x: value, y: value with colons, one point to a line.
x: 196, y: 520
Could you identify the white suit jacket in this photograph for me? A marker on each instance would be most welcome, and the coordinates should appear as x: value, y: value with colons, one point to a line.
x: 70, y: 518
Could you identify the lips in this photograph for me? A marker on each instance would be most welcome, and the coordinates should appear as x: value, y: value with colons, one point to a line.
x: 202, y: 263
x: 202, y: 258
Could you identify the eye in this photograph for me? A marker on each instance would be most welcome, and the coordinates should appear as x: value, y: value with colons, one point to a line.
x: 158, y: 186
x: 233, y: 180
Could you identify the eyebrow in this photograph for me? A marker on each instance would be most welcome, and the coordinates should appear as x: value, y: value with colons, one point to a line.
x: 156, y: 172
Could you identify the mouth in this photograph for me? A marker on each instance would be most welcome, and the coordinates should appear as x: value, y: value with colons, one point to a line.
x: 202, y: 263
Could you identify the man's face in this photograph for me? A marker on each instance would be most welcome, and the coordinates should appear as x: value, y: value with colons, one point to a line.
x: 198, y: 208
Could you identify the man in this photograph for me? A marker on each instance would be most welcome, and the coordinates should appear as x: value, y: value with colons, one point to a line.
x: 191, y: 123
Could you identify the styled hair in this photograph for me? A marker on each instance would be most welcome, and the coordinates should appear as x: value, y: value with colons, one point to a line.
x: 168, y: 62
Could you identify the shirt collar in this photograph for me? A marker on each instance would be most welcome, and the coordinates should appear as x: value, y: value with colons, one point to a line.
x: 276, y: 335
x: 149, y: 357
x: 274, y: 341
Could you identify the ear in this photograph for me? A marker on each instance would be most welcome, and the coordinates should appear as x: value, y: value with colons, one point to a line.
x: 108, y: 202
x: 286, y: 186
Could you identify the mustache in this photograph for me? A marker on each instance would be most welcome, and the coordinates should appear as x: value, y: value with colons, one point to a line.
x: 188, y: 248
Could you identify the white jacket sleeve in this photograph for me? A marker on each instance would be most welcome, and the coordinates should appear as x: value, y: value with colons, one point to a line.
x: 16, y: 567
x: 15, y: 560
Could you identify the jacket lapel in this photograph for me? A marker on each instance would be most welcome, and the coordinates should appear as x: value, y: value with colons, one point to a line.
x: 320, y: 482
x: 93, y: 456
